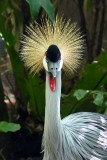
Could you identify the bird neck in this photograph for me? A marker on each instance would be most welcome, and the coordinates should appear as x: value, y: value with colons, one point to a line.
x: 53, y: 98
x: 52, y: 112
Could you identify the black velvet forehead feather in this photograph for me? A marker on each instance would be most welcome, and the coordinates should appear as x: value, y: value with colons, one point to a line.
x: 53, y: 53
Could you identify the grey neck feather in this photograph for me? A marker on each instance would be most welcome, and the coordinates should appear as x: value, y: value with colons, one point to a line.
x: 76, y: 136
x: 52, y: 126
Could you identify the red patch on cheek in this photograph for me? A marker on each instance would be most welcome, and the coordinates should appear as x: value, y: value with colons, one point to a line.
x: 52, y: 83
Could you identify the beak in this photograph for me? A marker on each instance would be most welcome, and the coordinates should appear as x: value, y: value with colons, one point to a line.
x: 52, y: 80
x: 52, y: 69
x: 53, y: 73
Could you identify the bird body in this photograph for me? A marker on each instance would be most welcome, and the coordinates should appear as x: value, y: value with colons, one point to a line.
x: 79, y: 136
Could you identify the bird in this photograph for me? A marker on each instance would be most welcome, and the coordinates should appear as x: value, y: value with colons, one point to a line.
x: 55, y: 47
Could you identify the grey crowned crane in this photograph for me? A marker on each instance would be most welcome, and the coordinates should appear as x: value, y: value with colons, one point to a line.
x: 55, y: 47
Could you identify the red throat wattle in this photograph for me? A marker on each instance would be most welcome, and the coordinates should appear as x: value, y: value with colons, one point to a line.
x: 52, y: 83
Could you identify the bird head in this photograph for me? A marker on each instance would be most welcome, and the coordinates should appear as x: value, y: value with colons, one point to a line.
x: 52, y: 63
x: 53, y: 46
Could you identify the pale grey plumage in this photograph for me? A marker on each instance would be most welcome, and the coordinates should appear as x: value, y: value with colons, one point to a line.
x: 80, y: 135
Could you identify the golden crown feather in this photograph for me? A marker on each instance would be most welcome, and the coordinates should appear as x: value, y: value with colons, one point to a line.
x: 65, y: 35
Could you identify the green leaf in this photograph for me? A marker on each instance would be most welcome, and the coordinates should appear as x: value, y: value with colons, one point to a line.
x: 99, y: 99
x: 87, y: 5
x: 103, y: 59
x: 9, y: 127
x: 36, y: 88
x: 80, y: 93
x: 7, y: 33
x: 49, y: 8
x: 94, y: 75
x: 36, y: 5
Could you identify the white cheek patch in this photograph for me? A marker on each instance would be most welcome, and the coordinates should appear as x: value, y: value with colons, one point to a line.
x: 60, y: 65
x: 45, y: 63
